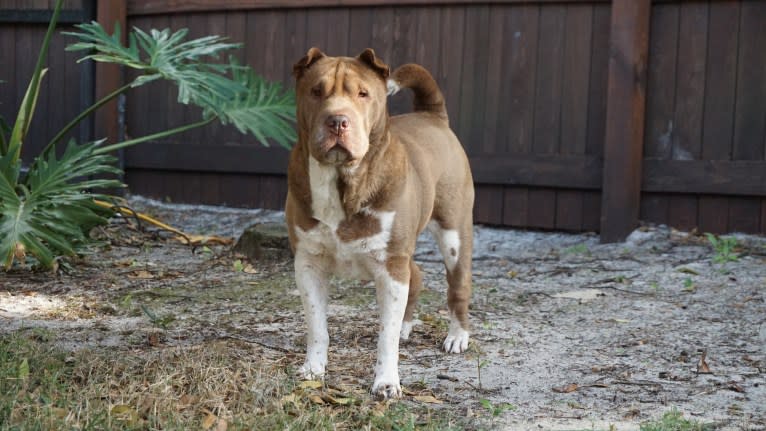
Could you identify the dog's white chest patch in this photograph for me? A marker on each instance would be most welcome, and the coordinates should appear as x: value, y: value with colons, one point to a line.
x: 362, y: 257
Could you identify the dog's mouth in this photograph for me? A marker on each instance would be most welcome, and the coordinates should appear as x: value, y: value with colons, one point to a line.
x: 334, y: 151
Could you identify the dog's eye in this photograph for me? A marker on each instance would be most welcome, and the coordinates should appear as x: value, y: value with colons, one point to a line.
x: 363, y: 94
x: 316, y: 92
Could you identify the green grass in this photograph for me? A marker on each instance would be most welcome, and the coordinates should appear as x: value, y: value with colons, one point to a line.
x: 674, y: 420
x: 44, y: 388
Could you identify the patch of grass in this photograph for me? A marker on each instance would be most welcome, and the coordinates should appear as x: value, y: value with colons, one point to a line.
x: 200, y: 387
x: 723, y: 247
x: 674, y: 420
x: 579, y: 249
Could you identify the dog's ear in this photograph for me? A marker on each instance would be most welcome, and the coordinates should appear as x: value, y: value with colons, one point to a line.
x: 368, y: 57
x: 304, y: 63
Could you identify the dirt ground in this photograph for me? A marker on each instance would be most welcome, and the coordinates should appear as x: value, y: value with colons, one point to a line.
x: 573, y: 334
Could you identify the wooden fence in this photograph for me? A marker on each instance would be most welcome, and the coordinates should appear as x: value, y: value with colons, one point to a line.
x: 576, y: 115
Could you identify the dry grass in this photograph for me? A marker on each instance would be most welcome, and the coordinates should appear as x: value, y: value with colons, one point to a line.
x: 214, y: 386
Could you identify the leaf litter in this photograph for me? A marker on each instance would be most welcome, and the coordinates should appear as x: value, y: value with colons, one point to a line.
x: 570, y: 332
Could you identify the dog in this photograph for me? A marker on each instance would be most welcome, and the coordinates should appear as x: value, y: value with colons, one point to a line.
x: 361, y: 187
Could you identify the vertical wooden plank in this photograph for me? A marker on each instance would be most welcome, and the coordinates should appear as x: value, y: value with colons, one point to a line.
x: 236, y: 23
x: 515, y: 206
x: 690, y: 81
x: 108, y: 77
x: 359, y: 24
x: 763, y: 217
x: 295, y: 41
x: 8, y: 106
x: 486, y: 128
x: 660, y: 100
x: 541, y: 208
x: 29, y: 39
x: 654, y: 208
x: 661, y: 80
x: 750, y: 104
x: 744, y: 215
x: 517, y: 87
x: 404, y: 41
x: 428, y: 28
x: 546, y: 136
x: 576, y: 71
x: 623, y: 144
x: 720, y: 90
x: 686, y: 142
x: 591, y: 214
x: 598, y: 81
x: 574, y: 106
x: 750, y: 123
x: 547, y: 107
x: 488, y: 209
x: 713, y: 214
x: 518, y: 83
x: 569, y: 210
x: 382, y: 34
x: 216, y: 25
x: 337, y: 40
x: 210, y: 190
x: 682, y: 212
x: 450, y: 71
x: 59, y: 105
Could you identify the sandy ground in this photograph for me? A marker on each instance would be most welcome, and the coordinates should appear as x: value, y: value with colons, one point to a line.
x: 572, y: 333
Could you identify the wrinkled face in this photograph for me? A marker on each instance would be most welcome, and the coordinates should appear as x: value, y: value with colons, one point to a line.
x: 341, y: 100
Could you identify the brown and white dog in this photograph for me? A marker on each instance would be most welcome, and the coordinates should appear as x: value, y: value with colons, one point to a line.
x: 362, y: 186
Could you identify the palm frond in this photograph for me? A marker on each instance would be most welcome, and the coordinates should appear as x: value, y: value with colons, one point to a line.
x: 50, y: 211
x: 231, y: 92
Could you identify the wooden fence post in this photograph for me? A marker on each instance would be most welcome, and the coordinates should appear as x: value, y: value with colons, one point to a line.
x: 109, y: 76
x: 625, y: 114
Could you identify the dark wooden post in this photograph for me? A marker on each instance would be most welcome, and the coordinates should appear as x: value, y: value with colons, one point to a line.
x: 624, y: 137
x: 109, y: 76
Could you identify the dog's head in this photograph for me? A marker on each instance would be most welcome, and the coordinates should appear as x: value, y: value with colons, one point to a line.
x: 341, y: 104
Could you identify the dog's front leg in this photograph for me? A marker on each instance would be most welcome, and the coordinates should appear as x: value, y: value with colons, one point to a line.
x: 312, y: 284
x: 392, y: 301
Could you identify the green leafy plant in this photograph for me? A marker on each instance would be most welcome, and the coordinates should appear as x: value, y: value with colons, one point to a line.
x: 48, y: 212
x: 723, y: 247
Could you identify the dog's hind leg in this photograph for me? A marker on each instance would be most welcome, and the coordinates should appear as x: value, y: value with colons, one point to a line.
x: 456, y: 246
x: 416, y: 285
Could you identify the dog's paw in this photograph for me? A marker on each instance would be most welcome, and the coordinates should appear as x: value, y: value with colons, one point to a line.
x: 311, y: 371
x: 456, y: 341
x: 404, y: 334
x: 386, y: 389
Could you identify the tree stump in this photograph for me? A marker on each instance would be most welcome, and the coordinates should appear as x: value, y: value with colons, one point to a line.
x: 264, y: 241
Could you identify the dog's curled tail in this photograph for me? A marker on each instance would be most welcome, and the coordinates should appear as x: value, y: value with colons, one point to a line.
x: 428, y: 97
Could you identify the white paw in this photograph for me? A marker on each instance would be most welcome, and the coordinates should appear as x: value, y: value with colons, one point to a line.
x: 311, y: 371
x: 404, y: 334
x: 387, y: 389
x: 457, y: 340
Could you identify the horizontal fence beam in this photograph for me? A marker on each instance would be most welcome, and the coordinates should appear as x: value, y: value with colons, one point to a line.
x: 564, y: 171
x: 238, y: 158
x: 718, y: 177
x: 42, y: 16
x: 158, y: 7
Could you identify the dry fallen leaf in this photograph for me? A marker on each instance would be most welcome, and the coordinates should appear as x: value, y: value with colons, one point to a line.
x: 209, y: 420
x: 316, y: 399
x: 428, y: 399
x: 310, y: 384
x: 249, y: 269
x: 566, y: 388
x: 141, y: 274
x: 337, y: 400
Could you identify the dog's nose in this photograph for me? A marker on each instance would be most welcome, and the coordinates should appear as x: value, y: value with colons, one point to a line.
x: 337, y: 123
